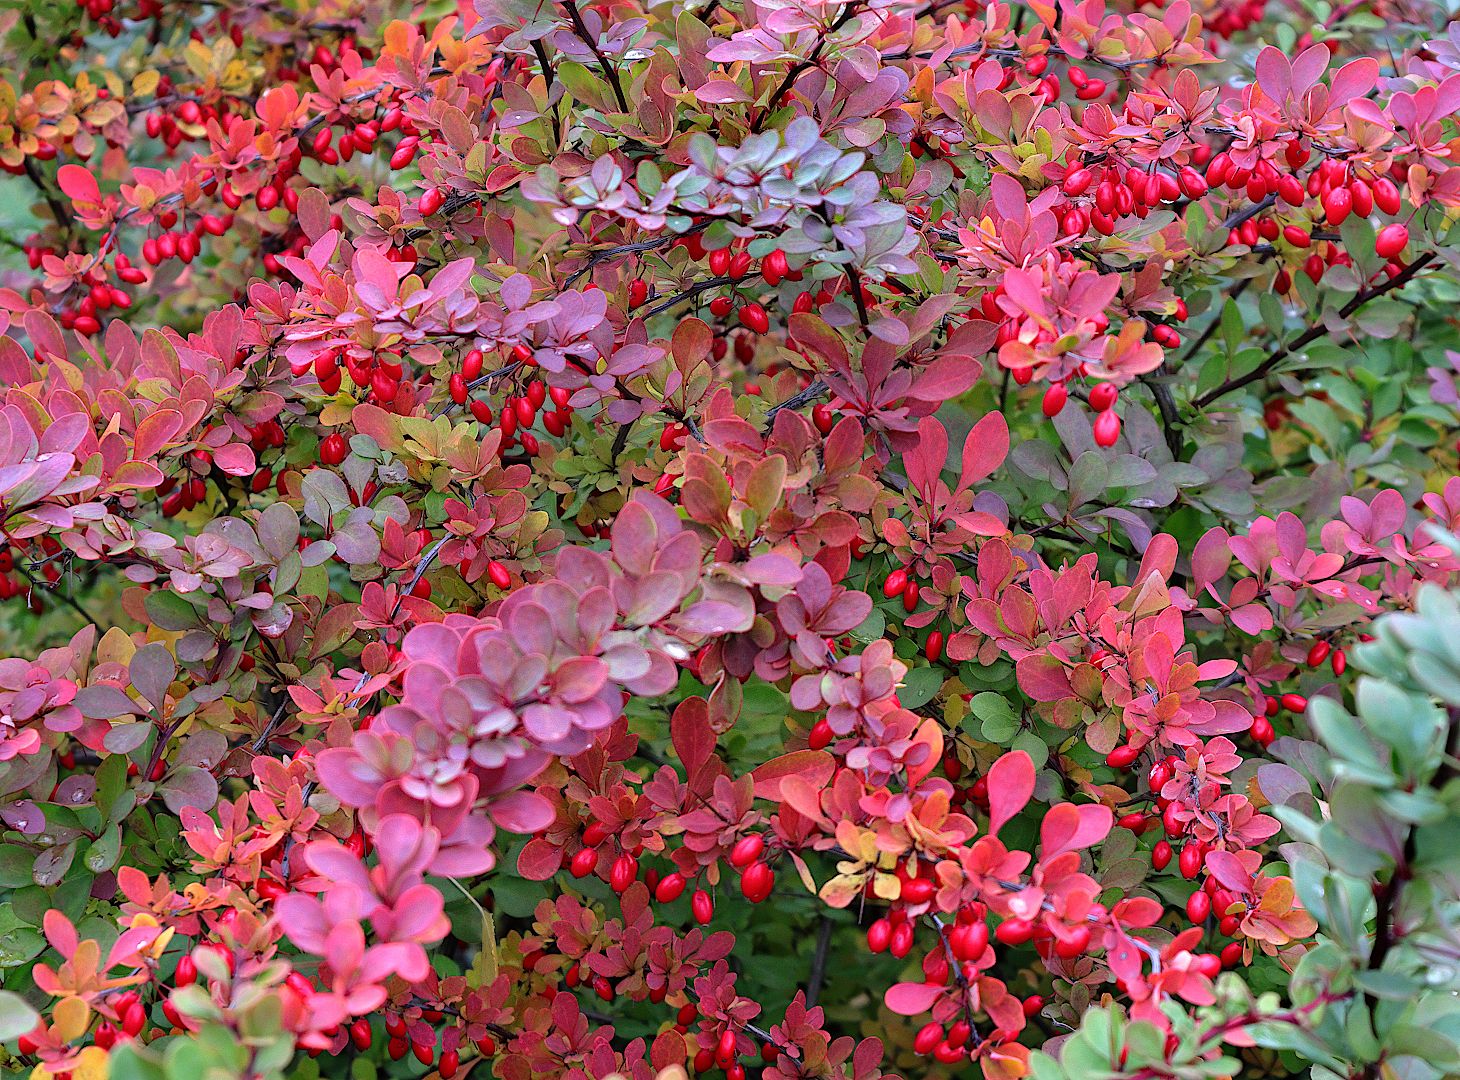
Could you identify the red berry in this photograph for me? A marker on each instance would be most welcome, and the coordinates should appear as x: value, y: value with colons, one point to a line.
x: 670, y: 888
x: 757, y: 881
x: 1055, y: 397
x: 754, y: 318
x: 1337, y: 205
x: 1161, y: 855
x: 333, y: 449
x: 917, y: 890
x: 933, y: 650
x: 929, y: 1036
x: 1107, y: 428
x: 186, y: 973
x: 746, y: 850
x: 1122, y: 757
x: 625, y: 871
x: 1198, y: 907
x: 1392, y: 240
x: 1015, y: 931
x: 1102, y: 396
x: 1386, y: 195
x: 879, y: 935
x: 1262, y: 731
x: 360, y: 1034
x: 702, y: 907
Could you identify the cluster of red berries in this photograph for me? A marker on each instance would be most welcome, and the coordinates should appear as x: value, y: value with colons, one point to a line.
x: 104, y: 13
x: 1099, y: 195
x: 519, y: 412
x: 901, y: 583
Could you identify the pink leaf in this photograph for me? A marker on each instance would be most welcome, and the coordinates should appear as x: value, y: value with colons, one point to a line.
x: 78, y: 183
x: 1011, y: 784
x: 926, y: 462
x: 985, y: 449
x: 910, y: 999
x: 539, y: 860
x: 1043, y: 678
x: 1068, y: 827
x: 814, y: 766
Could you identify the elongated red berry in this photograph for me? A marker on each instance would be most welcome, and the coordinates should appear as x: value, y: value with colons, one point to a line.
x: 1107, y: 428
x: 670, y: 888
x: 746, y: 850
x: 1392, y: 240
x: 754, y: 318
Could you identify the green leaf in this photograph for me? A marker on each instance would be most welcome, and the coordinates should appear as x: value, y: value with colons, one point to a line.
x: 919, y: 686
x: 16, y: 1017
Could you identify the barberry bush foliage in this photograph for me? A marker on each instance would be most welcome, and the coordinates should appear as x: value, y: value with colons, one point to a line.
x: 762, y: 538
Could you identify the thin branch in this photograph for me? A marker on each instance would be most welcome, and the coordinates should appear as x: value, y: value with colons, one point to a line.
x: 689, y: 294
x: 611, y: 72
x: 801, y: 67
x: 1313, y: 333
x: 802, y: 397
x: 856, y: 279
x: 58, y: 208
x: 1211, y: 327
x: 818, y: 961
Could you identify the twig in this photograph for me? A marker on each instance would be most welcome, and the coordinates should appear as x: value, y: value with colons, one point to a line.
x: 1313, y: 333
x: 629, y: 249
x: 58, y: 208
x: 689, y: 294
x: 802, y: 397
x: 856, y: 280
x: 818, y: 961
x: 592, y: 42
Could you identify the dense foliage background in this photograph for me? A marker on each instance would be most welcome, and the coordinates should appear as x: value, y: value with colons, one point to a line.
x: 798, y: 539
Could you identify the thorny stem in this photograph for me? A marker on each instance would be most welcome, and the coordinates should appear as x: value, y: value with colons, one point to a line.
x: 818, y: 960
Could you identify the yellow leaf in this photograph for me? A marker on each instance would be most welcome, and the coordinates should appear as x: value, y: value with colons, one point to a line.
x: 116, y: 647
x: 69, y: 1018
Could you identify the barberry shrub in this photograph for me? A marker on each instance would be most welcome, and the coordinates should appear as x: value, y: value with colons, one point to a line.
x: 787, y: 539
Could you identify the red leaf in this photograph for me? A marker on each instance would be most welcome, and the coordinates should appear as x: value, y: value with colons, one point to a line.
x: 1068, y: 827
x: 926, y: 462
x: 814, y: 766
x: 539, y: 860
x: 985, y: 449
x: 1011, y: 783
x: 689, y: 728
x: 78, y: 183
x: 1043, y: 678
